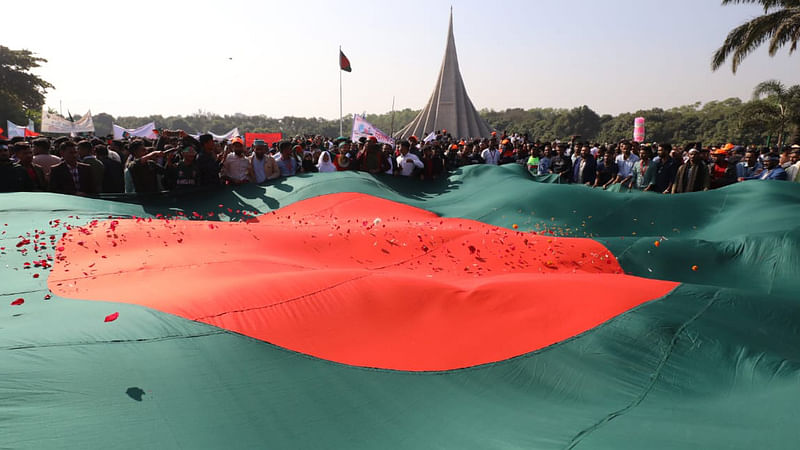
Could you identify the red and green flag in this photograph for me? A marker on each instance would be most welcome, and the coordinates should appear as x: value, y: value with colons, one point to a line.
x: 367, y: 312
x: 344, y: 62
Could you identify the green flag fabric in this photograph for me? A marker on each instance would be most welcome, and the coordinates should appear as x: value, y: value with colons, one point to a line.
x: 707, y: 357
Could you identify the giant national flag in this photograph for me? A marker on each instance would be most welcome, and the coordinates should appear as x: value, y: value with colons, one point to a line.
x: 345, y: 310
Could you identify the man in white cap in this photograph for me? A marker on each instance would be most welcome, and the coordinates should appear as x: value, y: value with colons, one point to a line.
x: 263, y: 166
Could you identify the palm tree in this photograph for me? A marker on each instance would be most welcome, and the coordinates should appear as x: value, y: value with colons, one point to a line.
x: 774, y: 106
x: 780, y: 25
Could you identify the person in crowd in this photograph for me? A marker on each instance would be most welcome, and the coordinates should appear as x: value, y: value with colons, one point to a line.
x: 793, y: 170
x: 113, y: 172
x: 390, y: 162
x: 491, y: 155
x: 433, y: 164
x: 664, y: 168
x: 585, y: 169
x: 208, y: 163
x: 115, y: 149
x: 86, y: 155
x: 42, y: 156
x: 533, y: 162
x: 561, y: 164
x: 642, y: 170
x: 236, y: 168
x: 308, y: 164
x: 507, y: 154
x: 324, y: 163
x: 263, y: 165
x: 606, y: 171
x: 10, y: 176
x: 298, y: 153
x: 143, y: 169
x: 286, y: 162
x: 408, y: 163
x: 31, y: 174
x: 183, y: 171
x: 544, y: 161
x: 772, y: 169
x: 342, y: 159
x: 692, y: 176
x: 626, y: 160
x: 721, y: 170
x: 371, y: 158
x: 472, y: 154
x: 71, y: 176
x: 751, y: 165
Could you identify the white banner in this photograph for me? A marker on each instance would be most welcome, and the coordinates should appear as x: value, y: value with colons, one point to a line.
x: 227, y: 136
x: 52, y: 123
x: 362, y: 128
x: 430, y: 137
x: 144, y: 131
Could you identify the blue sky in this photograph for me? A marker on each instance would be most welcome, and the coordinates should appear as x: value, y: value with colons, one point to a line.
x: 148, y: 57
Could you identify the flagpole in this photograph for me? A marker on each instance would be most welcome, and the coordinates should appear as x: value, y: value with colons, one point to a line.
x: 341, y: 129
x: 391, y: 132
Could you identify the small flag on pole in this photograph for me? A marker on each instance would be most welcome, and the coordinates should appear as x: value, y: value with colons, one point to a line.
x: 344, y: 63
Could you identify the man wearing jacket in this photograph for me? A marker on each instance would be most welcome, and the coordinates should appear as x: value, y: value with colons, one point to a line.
x: 71, y: 176
x: 585, y: 169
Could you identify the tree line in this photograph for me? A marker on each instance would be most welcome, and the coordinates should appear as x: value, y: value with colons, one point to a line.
x: 771, y: 117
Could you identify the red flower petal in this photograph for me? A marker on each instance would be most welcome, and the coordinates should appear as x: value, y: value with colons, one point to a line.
x: 18, y: 302
x: 111, y: 317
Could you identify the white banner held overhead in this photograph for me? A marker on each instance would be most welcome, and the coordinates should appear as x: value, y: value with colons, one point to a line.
x: 362, y: 128
x: 227, y: 136
x: 52, y: 123
x: 144, y: 131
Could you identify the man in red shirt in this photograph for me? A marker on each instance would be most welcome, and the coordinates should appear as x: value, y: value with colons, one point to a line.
x: 722, y: 171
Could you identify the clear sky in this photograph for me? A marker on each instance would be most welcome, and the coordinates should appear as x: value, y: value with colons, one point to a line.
x: 168, y: 57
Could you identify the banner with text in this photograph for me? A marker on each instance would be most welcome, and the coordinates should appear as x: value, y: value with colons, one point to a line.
x: 362, y: 128
x: 53, y: 123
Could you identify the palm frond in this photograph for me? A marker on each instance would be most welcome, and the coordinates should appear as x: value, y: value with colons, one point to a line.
x: 787, y: 33
x: 769, y: 88
x: 744, y: 39
x: 766, y: 4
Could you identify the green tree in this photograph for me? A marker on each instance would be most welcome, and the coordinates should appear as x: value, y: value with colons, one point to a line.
x: 21, y: 92
x: 774, y: 108
x: 779, y: 25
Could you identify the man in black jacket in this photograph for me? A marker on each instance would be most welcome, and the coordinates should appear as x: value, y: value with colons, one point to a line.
x: 71, y: 176
x: 585, y: 170
x: 113, y: 176
x: 208, y: 163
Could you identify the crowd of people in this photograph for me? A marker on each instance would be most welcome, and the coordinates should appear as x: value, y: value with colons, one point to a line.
x: 175, y: 160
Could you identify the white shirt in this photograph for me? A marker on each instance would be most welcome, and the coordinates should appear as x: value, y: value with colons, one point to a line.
x: 491, y: 156
x: 625, y: 166
x: 407, y: 163
x: 235, y: 167
x: 791, y: 172
x: 258, y: 168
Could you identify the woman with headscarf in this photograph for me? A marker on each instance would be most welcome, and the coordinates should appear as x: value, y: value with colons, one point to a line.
x: 324, y: 163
